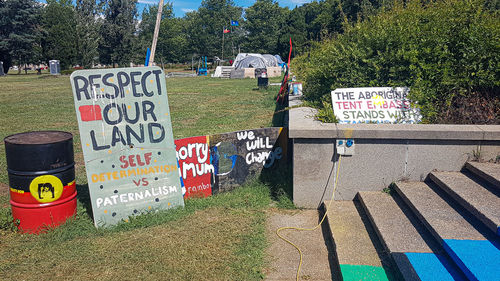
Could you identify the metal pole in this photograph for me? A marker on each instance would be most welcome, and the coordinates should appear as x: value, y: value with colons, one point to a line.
x: 155, y: 36
x: 232, y: 46
x: 223, y: 43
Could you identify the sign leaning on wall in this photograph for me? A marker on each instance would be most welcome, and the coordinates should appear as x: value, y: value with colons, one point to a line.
x: 221, y: 162
x: 374, y: 105
x: 127, y: 141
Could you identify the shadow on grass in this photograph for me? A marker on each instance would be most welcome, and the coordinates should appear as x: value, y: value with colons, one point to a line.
x: 83, y: 196
x: 279, y: 176
x: 279, y: 114
x: 279, y: 180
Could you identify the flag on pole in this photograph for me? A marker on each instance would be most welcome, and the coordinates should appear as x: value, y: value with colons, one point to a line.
x: 225, y: 30
x: 235, y: 23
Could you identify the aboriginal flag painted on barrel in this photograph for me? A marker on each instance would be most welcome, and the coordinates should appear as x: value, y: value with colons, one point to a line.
x: 127, y: 141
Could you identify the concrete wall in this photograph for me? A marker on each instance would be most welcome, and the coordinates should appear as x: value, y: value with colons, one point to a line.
x: 384, y: 153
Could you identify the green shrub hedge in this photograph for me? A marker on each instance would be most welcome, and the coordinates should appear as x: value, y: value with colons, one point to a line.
x: 448, y: 52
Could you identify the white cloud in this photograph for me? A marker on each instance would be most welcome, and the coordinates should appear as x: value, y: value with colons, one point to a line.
x: 187, y: 10
x: 148, y: 2
x: 300, y: 2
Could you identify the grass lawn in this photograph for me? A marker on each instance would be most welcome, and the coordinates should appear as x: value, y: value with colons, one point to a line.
x: 217, y: 238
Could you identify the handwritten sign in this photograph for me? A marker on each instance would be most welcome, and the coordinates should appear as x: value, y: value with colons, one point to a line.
x: 238, y: 156
x: 374, y: 105
x: 222, y: 162
x: 195, y: 168
x: 128, y: 146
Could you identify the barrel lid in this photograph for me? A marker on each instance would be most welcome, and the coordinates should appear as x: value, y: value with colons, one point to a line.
x: 38, y: 137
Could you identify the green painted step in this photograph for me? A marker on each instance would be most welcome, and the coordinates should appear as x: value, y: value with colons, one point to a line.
x: 352, y: 272
x: 352, y: 236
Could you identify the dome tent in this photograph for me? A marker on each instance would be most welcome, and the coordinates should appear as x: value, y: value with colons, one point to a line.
x: 249, y: 60
x: 270, y: 60
x: 278, y: 58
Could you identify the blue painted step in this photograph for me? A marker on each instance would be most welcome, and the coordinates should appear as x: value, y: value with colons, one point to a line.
x: 474, y: 249
x: 479, y: 259
x: 432, y: 267
x: 417, y: 256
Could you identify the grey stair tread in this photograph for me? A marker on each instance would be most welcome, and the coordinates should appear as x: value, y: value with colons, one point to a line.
x: 488, y: 171
x: 475, y: 198
x: 440, y: 218
x: 394, y: 228
x: 352, y: 240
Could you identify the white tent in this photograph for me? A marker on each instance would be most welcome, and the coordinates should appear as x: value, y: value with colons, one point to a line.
x: 270, y: 60
x: 249, y: 60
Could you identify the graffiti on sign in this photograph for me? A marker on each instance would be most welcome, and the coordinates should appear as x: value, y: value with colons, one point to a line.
x: 216, y: 163
x: 128, y: 146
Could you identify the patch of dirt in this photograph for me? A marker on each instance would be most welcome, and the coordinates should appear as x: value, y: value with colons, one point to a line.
x: 4, y: 189
x: 284, y: 259
x: 4, y: 192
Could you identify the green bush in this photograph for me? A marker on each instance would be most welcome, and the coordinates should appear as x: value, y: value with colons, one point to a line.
x: 325, y: 114
x: 446, y: 51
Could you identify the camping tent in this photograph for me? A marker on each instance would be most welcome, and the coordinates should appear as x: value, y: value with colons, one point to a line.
x: 248, y: 60
x: 278, y: 58
x: 270, y: 60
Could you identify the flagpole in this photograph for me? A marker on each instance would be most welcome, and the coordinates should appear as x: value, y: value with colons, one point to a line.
x: 231, y: 27
x: 223, y: 29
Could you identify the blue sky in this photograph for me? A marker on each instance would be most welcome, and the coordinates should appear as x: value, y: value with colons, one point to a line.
x: 183, y: 6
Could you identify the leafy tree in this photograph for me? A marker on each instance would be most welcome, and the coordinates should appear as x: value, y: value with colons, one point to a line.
x: 445, y: 51
x: 172, y: 42
x: 311, y: 12
x: 59, y: 28
x: 264, y: 20
x: 205, y: 26
x: 88, y: 24
x: 118, y: 32
x: 145, y: 32
x: 19, y: 32
x: 329, y: 20
x: 295, y: 28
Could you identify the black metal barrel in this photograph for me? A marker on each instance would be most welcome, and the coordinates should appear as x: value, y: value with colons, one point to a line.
x: 41, y: 171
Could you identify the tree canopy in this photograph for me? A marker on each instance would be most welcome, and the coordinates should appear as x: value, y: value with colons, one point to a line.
x: 19, y: 31
x: 113, y: 32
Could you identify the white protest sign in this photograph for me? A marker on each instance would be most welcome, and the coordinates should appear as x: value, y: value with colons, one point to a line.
x: 127, y: 142
x: 374, y: 105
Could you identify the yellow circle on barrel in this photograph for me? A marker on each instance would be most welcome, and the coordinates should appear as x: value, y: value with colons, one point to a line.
x: 47, y: 188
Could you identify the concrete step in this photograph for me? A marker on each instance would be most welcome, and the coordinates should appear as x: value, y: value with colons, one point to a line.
x: 477, y: 199
x: 487, y: 171
x: 472, y: 247
x: 415, y: 253
x: 356, y: 253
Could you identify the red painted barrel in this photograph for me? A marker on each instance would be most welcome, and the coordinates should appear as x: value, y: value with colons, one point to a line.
x: 41, y: 178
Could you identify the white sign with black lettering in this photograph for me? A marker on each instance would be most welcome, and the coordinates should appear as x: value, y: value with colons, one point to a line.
x: 374, y: 105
